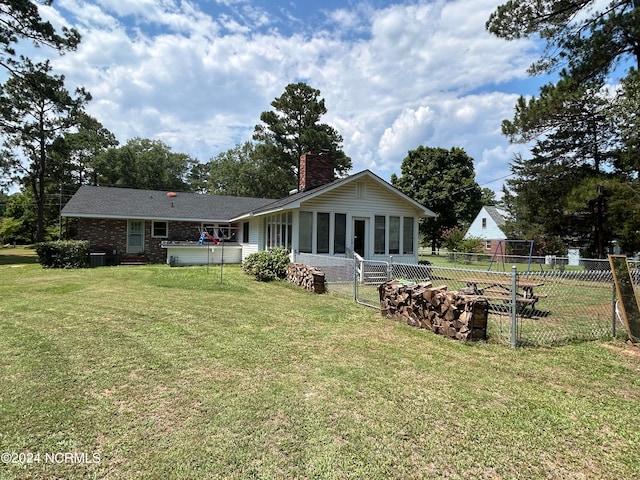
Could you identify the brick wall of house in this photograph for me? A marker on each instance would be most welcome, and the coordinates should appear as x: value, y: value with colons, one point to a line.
x: 494, y: 247
x: 109, y: 235
x: 105, y: 235
x: 507, y: 249
x: 177, y: 231
x: 184, y: 231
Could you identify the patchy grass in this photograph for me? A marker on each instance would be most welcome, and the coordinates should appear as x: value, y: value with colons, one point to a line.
x: 17, y: 255
x: 483, y: 262
x: 169, y: 373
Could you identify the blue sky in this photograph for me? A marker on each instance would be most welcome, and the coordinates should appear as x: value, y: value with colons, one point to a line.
x: 394, y: 75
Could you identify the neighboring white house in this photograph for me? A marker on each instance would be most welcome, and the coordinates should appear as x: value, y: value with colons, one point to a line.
x: 487, y: 227
x: 360, y: 213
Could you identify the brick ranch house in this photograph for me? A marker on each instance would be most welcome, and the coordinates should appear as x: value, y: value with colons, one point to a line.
x: 360, y: 213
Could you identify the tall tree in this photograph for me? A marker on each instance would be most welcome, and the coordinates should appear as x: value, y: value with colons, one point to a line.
x: 198, y: 178
x: 20, y: 219
x: 589, y: 42
x: 20, y: 21
x: 144, y: 163
x: 35, y: 109
x: 74, y: 154
x: 444, y: 181
x: 489, y: 197
x: 294, y: 128
x: 578, y: 150
x: 575, y: 144
x: 240, y: 172
x: 624, y: 115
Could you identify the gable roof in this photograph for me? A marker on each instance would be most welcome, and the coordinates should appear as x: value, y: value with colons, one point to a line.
x: 116, y: 202
x: 491, y: 229
x: 113, y: 202
x: 295, y: 200
x: 498, y: 215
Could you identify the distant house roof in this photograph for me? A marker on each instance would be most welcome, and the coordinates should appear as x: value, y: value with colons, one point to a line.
x: 112, y: 202
x: 294, y: 200
x: 497, y: 214
x: 491, y: 229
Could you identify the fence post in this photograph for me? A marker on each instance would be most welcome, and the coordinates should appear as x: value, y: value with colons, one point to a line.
x: 390, y: 268
x: 614, y: 314
x: 514, y: 309
x: 355, y: 278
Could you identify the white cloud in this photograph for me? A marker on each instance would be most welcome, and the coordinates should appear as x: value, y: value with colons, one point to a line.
x: 393, y: 78
x: 410, y: 128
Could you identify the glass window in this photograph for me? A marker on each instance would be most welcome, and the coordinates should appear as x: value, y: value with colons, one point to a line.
x: 306, y: 232
x: 407, y: 235
x: 379, y: 240
x: 160, y: 229
x: 484, y: 223
x: 279, y: 230
x: 245, y: 232
x: 323, y: 233
x: 340, y: 234
x: 487, y: 245
x: 394, y: 235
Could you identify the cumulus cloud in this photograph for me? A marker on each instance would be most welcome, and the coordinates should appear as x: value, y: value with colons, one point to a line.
x: 197, y: 74
x: 410, y: 128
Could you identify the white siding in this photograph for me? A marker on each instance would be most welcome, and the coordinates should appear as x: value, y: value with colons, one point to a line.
x: 376, y: 199
x: 203, y: 254
x: 364, y: 199
x: 256, y: 238
x: 490, y: 232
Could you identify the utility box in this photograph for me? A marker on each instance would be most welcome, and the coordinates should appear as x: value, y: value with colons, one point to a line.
x: 97, y: 259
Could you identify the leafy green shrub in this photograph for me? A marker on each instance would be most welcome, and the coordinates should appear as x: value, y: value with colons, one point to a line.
x: 63, y: 254
x: 267, y: 265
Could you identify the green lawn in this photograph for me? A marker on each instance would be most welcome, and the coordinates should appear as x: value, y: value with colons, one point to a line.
x: 483, y: 262
x: 17, y: 255
x: 167, y: 373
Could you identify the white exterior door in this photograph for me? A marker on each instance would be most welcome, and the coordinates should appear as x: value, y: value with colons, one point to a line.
x: 135, y: 236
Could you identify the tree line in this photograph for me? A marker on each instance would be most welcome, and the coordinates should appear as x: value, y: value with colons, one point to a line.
x: 579, y: 186
x: 51, y: 146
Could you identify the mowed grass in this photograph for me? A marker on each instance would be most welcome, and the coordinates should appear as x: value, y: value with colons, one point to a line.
x: 168, y: 373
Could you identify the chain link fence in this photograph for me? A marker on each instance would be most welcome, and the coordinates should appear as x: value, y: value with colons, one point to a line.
x: 339, y: 272
x: 547, y: 307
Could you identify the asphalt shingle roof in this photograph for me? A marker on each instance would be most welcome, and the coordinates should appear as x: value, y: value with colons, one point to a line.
x: 112, y: 202
x: 497, y: 215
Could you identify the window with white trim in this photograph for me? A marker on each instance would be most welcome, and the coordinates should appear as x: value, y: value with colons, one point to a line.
x: 340, y: 233
x: 407, y: 236
x: 306, y: 232
x: 159, y: 229
x: 379, y: 240
x: 322, y: 232
x: 279, y: 230
x: 245, y: 232
x: 394, y: 235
